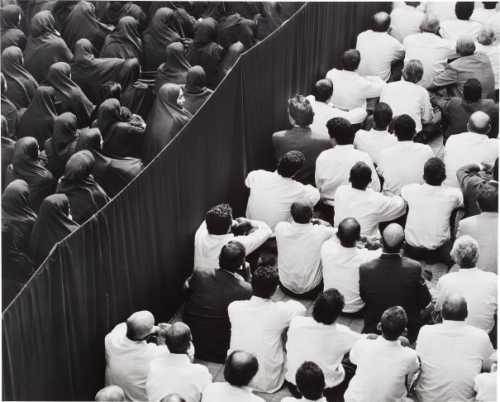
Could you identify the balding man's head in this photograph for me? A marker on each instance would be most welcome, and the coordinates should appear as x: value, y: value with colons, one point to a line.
x: 172, y: 398
x: 381, y: 22
x: 465, y: 45
x: 430, y: 24
x: 178, y: 338
x: 454, y: 308
x: 139, y: 325
x: 240, y: 368
x: 479, y: 122
x: 349, y: 232
x: 111, y: 393
x: 392, y: 237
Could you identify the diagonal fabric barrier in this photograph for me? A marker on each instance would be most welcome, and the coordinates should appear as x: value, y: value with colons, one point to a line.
x: 137, y: 251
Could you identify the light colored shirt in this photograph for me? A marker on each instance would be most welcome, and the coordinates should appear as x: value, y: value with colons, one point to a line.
x: 351, y: 90
x: 466, y: 148
x: 256, y: 327
x: 299, y: 244
x: 493, y: 53
x: 453, y: 29
x: 368, y: 207
x: 483, y: 16
x: 225, y: 392
x: 494, y: 23
x: 378, y: 51
x: 451, y: 354
x: 127, y: 362
x: 292, y: 399
x: 272, y: 195
x: 373, y: 142
x: 382, y: 369
x: 443, y: 10
x: 480, y: 291
x: 325, y: 345
x: 207, y: 246
x: 333, y: 167
x: 429, y: 212
x: 405, y: 20
x: 403, y: 164
x: 324, y: 112
x: 174, y: 373
x: 485, y: 385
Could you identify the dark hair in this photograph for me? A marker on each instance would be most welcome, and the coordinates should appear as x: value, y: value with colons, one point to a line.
x: 351, y: 59
x: 110, y: 89
x: 265, y: 281
x: 219, y: 219
x: 172, y: 398
x: 240, y: 373
x: 429, y: 132
x: 300, y: 110
x: 382, y: 115
x: 178, y: 338
x: 341, y: 130
x: 310, y: 381
x: 349, y: 232
x: 490, y: 5
x: 434, y: 172
x: 360, y: 175
x: 454, y: 310
x: 472, y: 90
x: 464, y: 9
x: 328, y: 306
x: 393, y: 322
x: 404, y: 127
x: 232, y: 256
x: 290, y: 163
x: 323, y: 90
x: 488, y: 197
x: 301, y: 212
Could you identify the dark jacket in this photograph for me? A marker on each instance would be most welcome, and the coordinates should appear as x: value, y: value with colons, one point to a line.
x: 471, y: 179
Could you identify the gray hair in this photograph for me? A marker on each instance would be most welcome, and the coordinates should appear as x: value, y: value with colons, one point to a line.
x: 430, y: 24
x: 486, y: 36
x: 465, y: 252
x: 465, y: 45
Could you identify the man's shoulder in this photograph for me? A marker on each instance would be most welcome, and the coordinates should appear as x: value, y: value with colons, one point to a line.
x: 369, y: 266
x: 410, y: 264
x: 280, y: 135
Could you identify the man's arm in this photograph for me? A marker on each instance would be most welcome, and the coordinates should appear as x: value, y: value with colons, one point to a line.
x: 373, y: 86
x: 311, y: 195
x: 446, y: 77
x: 391, y: 208
x: 468, y: 177
x: 375, y: 183
x: 256, y: 238
x: 423, y: 295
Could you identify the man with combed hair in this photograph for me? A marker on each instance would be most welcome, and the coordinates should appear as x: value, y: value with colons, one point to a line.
x: 378, y: 49
x: 128, y: 354
x: 472, y: 146
x: 310, y: 384
x: 463, y: 25
x: 384, y: 365
x: 405, y: 19
x: 487, y: 43
x: 111, y: 393
x: 239, y: 370
x: 451, y: 355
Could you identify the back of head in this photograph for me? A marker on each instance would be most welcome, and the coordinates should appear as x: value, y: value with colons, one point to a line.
x: 219, y: 219
x: 430, y: 131
x: 486, y: 36
x: 465, y: 45
x: 301, y: 212
x: 111, y: 393
x: 172, y: 398
x: 454, y: 308
x: 300, y: 110
x: 240, y: 368
x: 479, y: 122
x: 382, y: 116
x: 349, y: 232
x: 490, y: 5
x: 265, y: 281
x: 434, y: 172
x: 232, y: 256
x: 328, y: 306
x: 430, y: 24
x: 487, y: 197
x: 139, y: 325
x: 464, y: 9
x: 178, y: 338
x: 472, y: 90
x: 381, y: 22
x: 351, y: 59
x: 465, y: 252
x: 360, y: 176
x: 392, y: 238
x: 111, y: 89
x: 413, y: 71
x: 340, y: 130
x: 310, y: 381
x: 323, y: 90
x: 290, y: 163
x: 404, y: 127
x: 393, y: 322
x: 79, y: 166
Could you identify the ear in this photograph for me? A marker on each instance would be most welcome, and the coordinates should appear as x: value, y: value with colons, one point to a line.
x: 379, y: 327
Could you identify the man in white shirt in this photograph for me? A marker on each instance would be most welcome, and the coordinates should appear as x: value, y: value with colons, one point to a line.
x: 322, y: 340
x: 299, y: 243
x: 273, y: 193
x: 111, y: 393
x: 217, y: 230
x: 451, y: 354
x: 463, y: 25
x: 333, y: 165
x: 485, y: 14
x: 404, y: 162
x: 367, y: 206
x: 407, y: 97
x: 257, y: 326
x: 128, y: 354
x: 405, y: 19
x: 174, y: 372
x: 351, y: 89
x: 310, y: 383
x: 487, y: 44
x: 378, y: 49
x: 239, y: 370
x: 384, y: 365
x: 375, y: 140
x: 442, y: 10
x: 473, y: 146
x: 478, y: 287
x: 485, y: 384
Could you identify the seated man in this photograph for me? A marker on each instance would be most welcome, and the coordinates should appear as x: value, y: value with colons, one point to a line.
x: 452, y: 354
x: 477, y: 286
x: 273, y: 193
x: 367, y: 206
x: 485, y: 384
x: 430, y: 207
x: 239, y: 370
x: 322, y: 340
x: 111, y: 393
x: 217, y: 230
x: 174, y: 372
x: 384, y: 365
x: 393, y: 280
x: 263, y: 340
x: 209, y: 292
x: 487, y: 44
x: 405, y: 19
x: 299, y: 243
x: 303, y: 137
x: 128, y: 354
x: 463, y: 25
x: 341, y: 258
x: 310, y: 383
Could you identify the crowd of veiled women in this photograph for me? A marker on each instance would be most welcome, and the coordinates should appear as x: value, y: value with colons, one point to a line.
x: 90, y: 93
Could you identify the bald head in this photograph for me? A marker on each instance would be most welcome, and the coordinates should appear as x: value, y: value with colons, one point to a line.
x: 139, y: 325
x: 240, y: 368
x: 349, y: 232
x: 454, y: 308
x: 172, y: 398
x: 393, y: 236
x: 381, y: 22
x: 178, y: 338
x: 465, y: 45
x: 479, y: 122
x: 111, y: 393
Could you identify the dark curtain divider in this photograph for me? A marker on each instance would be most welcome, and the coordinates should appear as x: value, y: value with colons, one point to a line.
x: 137, y: 251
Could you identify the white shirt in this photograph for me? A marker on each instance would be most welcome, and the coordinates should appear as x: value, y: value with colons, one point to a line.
x: 443, y: 10
x: 465, y: 148
x: 368, y: 207
x: 493, y: 53
x: 432, y: 50
x: 453, y: 29
x: 373, y: 142
x: 479, y: 289
x: 341, y: 271
x: 299, y: 245
x: 452, y: 354
x: 292, y: 399
x: 351, y: 90
x: 494, y: 23
x: 225, y: 392
x: 127, y: 362
x: 403, y: 164
x: 485, y: 385
x: 382, y: 368
x: 405, y: 20
x: 429, y: 212
x: 272, y: 195
x: 324, y: 112
x: 333, y: 167
x: 483, y: 15
x: 408, y: 98
x: 378, y: 50
x: 174, y: 373
x: 207, y: 246
x: 325, y: 345
x: 256, y: 327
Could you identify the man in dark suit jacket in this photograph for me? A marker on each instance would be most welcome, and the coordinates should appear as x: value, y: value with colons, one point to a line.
x: 393, y: 280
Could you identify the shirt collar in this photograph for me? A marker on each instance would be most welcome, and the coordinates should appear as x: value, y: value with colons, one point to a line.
x: 260, y: 299
x: 178, y: 358
x: 475, y: 269
x: 346, y: 146
x: 451, y: 323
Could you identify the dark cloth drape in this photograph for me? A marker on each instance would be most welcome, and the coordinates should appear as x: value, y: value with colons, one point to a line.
x: 195, y: 91
x: 175, y: 68
x: 21, y: 85
x: 234, y: 28
x: 10, y: 17
x: 9, y: 111
x: 13, y: 37
x: 7, y: 152
x: 124, y: 42
x: 233, y: 52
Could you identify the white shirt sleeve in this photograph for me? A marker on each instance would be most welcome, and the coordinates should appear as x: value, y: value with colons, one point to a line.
x: 311, y: 195
x: 373, y: 86
x: 293, y: 308
x: 391, y: 207
x: 426, y: 108
x: 253, y: 240
x: 250, y: 179
x: 357, y: 350
x: 375, y: 183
